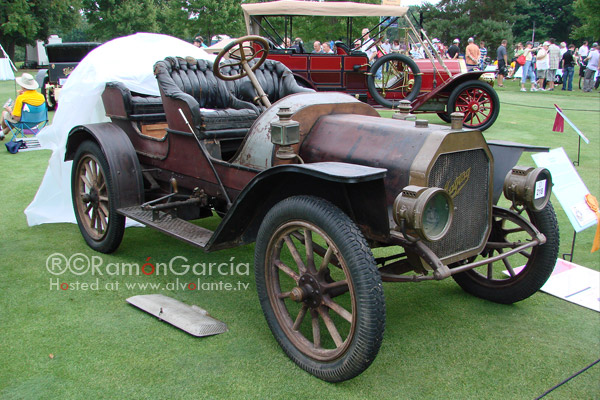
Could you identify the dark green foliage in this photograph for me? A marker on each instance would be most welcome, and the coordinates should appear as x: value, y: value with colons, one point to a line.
x: 512, y: 20
x: 112, y: 18
x: 24, y: 21
x: 587, y: 12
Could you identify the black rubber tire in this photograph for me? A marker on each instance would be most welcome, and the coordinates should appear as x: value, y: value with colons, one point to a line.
x: 113, y: 234
x: 537, y: 270
x: 48, y: 97
x: 444, y: 117
x: 364, y: 277
x: 409, y: 62
x: 483, y: 86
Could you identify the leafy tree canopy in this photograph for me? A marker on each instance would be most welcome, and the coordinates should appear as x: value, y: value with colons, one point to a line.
x: 588, y: 11
x: 24, y: 21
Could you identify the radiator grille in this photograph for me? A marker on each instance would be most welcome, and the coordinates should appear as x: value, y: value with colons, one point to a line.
x: 465, y: 175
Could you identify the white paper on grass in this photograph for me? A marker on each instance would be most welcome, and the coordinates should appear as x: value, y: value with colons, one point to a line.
x: 129, y: 60
x: 568, y: 187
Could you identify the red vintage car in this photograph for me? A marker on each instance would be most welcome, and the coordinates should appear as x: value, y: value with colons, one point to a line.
x: 433, y: 85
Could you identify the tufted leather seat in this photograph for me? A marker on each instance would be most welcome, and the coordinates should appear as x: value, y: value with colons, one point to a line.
x: 219, y: 109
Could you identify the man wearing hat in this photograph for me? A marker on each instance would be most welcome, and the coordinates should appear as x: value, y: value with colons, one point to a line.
x: 454, y: 50
x: 28, y: 94
x: 199, y: 42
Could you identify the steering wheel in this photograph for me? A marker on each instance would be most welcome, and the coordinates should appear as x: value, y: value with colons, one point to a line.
x: 242, y: 50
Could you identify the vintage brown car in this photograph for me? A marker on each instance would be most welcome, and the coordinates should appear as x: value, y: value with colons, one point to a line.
x: 320, y: 182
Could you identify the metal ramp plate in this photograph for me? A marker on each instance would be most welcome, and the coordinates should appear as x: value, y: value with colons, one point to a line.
x: 192, y: 319
x: 173, y: 226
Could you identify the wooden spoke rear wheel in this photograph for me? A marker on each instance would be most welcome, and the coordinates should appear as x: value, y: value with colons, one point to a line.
x: 93, y: 199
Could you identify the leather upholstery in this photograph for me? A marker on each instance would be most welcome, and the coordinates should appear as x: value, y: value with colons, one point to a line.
x: 120, y: 102
x: 192, y: 82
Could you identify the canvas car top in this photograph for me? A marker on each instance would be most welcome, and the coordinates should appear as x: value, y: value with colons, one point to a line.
x: 340, y: 9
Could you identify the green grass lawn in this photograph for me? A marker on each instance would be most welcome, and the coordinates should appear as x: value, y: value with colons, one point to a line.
x: 440, y: 343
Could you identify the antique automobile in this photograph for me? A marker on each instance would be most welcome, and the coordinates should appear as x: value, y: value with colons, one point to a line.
x: 337, y: 198
x: 62, y: 58
x: 434, y: 85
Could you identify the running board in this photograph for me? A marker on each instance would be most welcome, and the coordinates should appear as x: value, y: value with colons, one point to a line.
x: 173, y: 226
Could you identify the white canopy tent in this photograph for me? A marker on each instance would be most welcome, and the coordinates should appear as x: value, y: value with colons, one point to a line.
x: 129, y: 60
x: 7, y: 68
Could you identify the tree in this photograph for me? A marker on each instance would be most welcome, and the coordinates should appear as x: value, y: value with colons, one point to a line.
x: 587, y: 11
x: 187, y: 18
x: 113, y: 18
x: 24, y: 21
x: 480, y: 19
x: 552, y: 18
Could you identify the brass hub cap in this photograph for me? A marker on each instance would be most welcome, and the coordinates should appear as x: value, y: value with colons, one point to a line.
x: 307, y: 291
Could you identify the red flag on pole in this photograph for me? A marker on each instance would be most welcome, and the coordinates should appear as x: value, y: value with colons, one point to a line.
x: 559, y: 121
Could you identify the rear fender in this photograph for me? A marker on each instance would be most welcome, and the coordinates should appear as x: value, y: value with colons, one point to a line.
x: 357, y: 190
x: 124, y: 165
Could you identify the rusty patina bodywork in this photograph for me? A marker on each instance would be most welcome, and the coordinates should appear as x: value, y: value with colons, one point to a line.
x: 336, y: 183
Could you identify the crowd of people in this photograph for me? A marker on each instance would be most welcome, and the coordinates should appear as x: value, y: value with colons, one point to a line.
x: 538, y: 63
x: 542, y: 64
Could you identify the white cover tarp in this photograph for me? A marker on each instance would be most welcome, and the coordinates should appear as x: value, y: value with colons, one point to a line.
x: 129, y: 60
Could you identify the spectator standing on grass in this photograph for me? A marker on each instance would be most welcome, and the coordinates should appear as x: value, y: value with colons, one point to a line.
x: 386, y: 46
x: 553, y: 61
x: 568, y: 68
x: 528, y: 68
x: 453, y: 50
x: 542, y: 63
x: 519, y: 50
x: 472, y: 55
x: 502, y: 58
x: 483, y: 55
x: 583, y: 50
x: 591, y: 68
x: 563, y: 48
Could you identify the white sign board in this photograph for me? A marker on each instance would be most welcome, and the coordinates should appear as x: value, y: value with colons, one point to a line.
x: 568, y: 187
x: 573, y: 283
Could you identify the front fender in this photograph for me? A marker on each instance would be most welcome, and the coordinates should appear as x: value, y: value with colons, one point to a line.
x: 125, y: 170
x: 40, y: 76
x: 356, y: 189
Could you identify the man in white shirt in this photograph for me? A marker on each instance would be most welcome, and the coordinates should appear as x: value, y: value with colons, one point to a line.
x: 386, y: 46
x: 583, y: 50
x: 368, y: 45
x: 593, y: 60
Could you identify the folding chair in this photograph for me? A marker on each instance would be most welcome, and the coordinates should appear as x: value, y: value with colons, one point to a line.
x: 33, y: 119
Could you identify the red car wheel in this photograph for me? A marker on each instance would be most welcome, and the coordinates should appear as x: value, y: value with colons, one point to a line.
x: 478, y: 101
